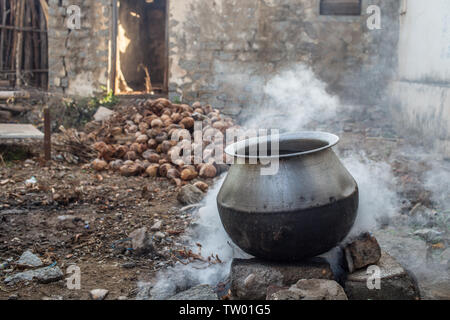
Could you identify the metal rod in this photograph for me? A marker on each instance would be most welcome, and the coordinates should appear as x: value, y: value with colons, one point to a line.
x: 47, y: 135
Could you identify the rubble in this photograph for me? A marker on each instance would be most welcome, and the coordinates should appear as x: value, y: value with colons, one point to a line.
x: 141, y: 241
x: 395, y: 282
x: 190, y: 194
x: 250, y: 278
x: 28, y: 259
x: 309, y: 289
x: 200, y: 292
x: 429, y: 235
x: 98, y: 294
x: 362, y: 252
x: 42, y: 275
x: 103, y: 114
x: 156, y: 226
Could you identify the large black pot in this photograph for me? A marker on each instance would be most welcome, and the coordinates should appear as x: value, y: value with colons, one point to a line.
x: 304, y: 210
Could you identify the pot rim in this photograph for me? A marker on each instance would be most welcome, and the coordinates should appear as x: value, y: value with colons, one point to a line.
x: 329, y: 138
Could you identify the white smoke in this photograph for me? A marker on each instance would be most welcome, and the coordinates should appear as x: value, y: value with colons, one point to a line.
x: 378, y: 201
x: 292, y: 100
x: 208, y: 231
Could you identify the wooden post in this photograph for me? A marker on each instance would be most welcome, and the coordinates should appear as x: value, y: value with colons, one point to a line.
x: 43, y: 45
x: 19, y: 51
x: 3, y: 32
x: 47, y: 135
x: 115, y: 23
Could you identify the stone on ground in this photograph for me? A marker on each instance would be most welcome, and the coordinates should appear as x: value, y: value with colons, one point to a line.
x: 201, y: 292
x: 42, y: 275
x: 98, y: 294
x: 250, y: 278
x: 310, y: 289
x: 141, y: 241
x: 103, y: 114
x: 362, y: 252
x: 395, y: 282
x: 156, y: 226
x: 28, y: 259
x: 429, y: 235
x: 190, y: 194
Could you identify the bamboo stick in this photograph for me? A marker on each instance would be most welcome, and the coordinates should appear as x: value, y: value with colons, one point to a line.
x: 43, y: 45
x: 21, y: 7
x: 2, y: 35
x: 28, y: 46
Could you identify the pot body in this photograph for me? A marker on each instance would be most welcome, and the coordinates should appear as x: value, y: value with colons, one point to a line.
x: 304, y: 210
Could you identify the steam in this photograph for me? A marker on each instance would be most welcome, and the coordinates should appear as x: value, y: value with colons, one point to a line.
x: 209, y: 232
x: 293, y: 99
x: 378, y: 201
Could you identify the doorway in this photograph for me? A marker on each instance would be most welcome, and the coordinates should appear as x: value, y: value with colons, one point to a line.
x: 141, y: 47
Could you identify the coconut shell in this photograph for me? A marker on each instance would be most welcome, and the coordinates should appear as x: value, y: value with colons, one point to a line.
x: 152, y: 144
x: 164, y: 169
x: 188, y: 122
x: 143, y: 138
x: 130, y: 155
x: 130, y: 170
x: 152, y: 170
x: 116, y: 164
x: 143, y: 126
x: 151, y: 156
x: 208, y: 171
x: 173, y: 173
x: 166, y: 146
x: 161, y: 137
x: 201, y: 185
x: 99, y: 165
x: 157, y: 123
x: 188, y: 174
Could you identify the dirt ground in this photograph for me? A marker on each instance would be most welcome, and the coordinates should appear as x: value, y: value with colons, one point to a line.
x: 77, y: 216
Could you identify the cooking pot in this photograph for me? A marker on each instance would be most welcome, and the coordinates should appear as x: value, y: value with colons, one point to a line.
x: 303, y: 210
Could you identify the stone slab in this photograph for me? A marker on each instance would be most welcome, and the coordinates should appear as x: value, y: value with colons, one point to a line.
x: 250, y: 278
x: 19, y: 131
x: 396, y: 283
x: 201, y: 292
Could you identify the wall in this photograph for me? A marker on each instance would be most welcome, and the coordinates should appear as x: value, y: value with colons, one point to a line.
x: 421, y: 91
x: 221, y: 51
x: 78, y: 59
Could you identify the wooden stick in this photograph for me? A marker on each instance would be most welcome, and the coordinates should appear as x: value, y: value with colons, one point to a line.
x: 2, y: 36
x: 28, y: 52
x: 47, y: 135
x: 43, y: 46
x: 21, y: 7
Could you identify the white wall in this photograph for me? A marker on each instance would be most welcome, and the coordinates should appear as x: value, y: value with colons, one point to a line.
x: 424, y: 44
x: 421, y: 92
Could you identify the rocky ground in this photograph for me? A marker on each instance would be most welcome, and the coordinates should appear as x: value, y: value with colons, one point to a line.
x: 75, y: 216
x: 71, y: 215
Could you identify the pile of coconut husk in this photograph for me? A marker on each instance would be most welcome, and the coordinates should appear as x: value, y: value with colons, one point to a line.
x: 140, y: 139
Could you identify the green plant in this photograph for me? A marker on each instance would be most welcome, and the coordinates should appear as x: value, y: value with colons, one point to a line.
x: 176, y: 100
x: 108, y: 99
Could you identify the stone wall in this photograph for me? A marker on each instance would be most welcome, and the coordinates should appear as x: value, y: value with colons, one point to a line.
x: 222, y: 51
x: 78, y: 59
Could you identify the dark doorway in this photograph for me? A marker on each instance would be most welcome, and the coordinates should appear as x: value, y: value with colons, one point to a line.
x: 141, y: 47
